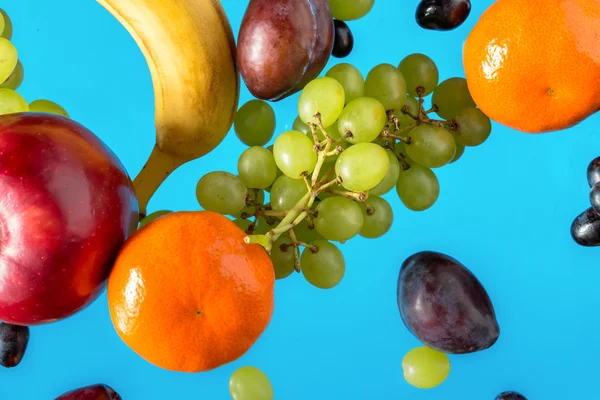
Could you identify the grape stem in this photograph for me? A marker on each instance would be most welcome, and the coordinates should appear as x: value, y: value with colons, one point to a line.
x: 361, y: 197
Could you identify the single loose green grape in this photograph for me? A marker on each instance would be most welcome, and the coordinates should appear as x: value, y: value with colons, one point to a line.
x: 283, y: 260
x: 7, y: 30
x: 460, y: 150
x: 406, y: 120
x: 324, y: 269
x: 349, y: 10
x: 338, y: 218
x: 254, y: 123
x: 12, y: 102
x: 425, y: 368
x: 473, y: 127
x: 362, y: 166
x: 351, y: 80
x: 391, y: 177
x: 15, y: 79
x: 386, y: 84
x: 324, y: 96
x: 305, y: 234
x: 257, y: 168
x: 287, y: 192
x: 364, y: 118
x: 8, y: 58
x: 221, y: 192
x: 419, y: 71
x: 49, y: 107
x: 431, y: 146
x: 153, y: 217
x: 451, y: 96
x: 250, y: 383
x: 300, y: 126
x: 294, y: 154
x: 418, y: 188
x: 378, y: 218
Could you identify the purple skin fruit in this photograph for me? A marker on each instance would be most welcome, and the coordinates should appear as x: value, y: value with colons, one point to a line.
x: 94, y: 392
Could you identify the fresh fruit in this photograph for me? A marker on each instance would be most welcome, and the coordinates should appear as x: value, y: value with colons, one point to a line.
x: 362, y: 166
x: 196, y: 83
x: 8, y: 58
x: 509, y: 46
x: 254, y: 123
x: 12, y: 102
x: 343, y: 41
x: 257, y: 168
x: 13, y: 344
x: 431, y: 146
x: 294, y: 154
x: 444, y: 305
x: 69, y: 205
x: 585, y: 228
x: 15, y: 79
x: 363, y: 118
x: 460, y: 150
x: 324, y: 97
x: 420, y: 74
x: 7, y: 31
x: 324, y: 268
x: 221, y: 192
x: 593, y: 172
x: 442, y: 15
x: 282, y: 257
x: 270, y: 67
x: 153, y: 216
x: 472, y: 127
x: 338, y: 219
x: 287, y: 192
x: 510, y: 396
x: 47, y: 106
x: 418, y: 188
x: 94, y: 392
x: 391, y: 177
x: 250, y: 383
x: 351, y: 80
x: 386, y: 83
x: 451, y: 96
x: 378, y: 217
x: 187, y: 294
x: 349, y: 10
x: 425, y: 368
x: 595, y: 197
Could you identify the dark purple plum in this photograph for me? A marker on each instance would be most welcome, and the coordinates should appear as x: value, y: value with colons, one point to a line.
x: 510, y: 396
x: 94, y: 392
x: 593, y: 172
x: 444, y: 305
x: 442, y: 15
x: 343, y: 41
x: 283, y: 45
x: 585, y: 228
x: 13, y: 344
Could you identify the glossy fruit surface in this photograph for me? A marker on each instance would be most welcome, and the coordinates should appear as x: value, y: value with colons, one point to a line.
x: 67, y: 208
x: 585, y: 228
x: 94, y: 392
x: 187, y: 294
x: 250, y: 383
x: 343, y: 42
x: 442, y: 15
x: 254, y: 123
x: 338, y: 218
x: 595, y: 197
x: 418, y: 187
x: 350, y: 78
x: 593, y: 172
x: 270, y: 67
x: 513, y: 41
x: 425, y: 368
x: 13, y: 344
x: 349, y: 10
x: 444, y: 305
x: 510, y: 396
x: 325, y: 268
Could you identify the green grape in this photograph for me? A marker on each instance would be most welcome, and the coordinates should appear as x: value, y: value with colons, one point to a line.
x: 365, y: 118
x: 8, y: 58
x: 349, y: 10
x: 305, y: 234
x: 153, y: 217
x: 325, y: 168
x: 283, y: 260
x: 406, y: 120
x: 322, y: 95
x: 379, y: 219
x: 257, y: 168
x: 7, y: 30
x: 221, y: 192
x: 451, y: 96
x: 418, y: 188
x: 294, y: 154
x: 279, y: 173
x: 419, y: 71
x: 333, y: 133
x: 244, y: 224
x: 255, y: 195
x: 263, y: 226
x: 15, y: 79
x: 386, y: 84
x: 351, y: 80
x: 460, y: 150
x: 12, y: 102
x: 391, y: 177
x: 250, y: 383
x: 47, y: 106
x: 287, y: 192
x: 362, y: 166
x: 431, y: 146
x: 325, y: 268
x: 338, y: 218
x: 425, y: 368
x: 255, y: 123
x: 473, y: 127
x: 300, y: 126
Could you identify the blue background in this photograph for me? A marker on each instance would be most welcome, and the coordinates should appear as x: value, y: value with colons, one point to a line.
x: 505, y: 210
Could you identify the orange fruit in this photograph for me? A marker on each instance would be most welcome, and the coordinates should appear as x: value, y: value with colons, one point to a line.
x: 534, y: 66
x: 187, y: 294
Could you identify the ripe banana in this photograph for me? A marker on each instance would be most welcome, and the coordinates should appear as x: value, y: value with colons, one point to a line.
x: 191, y: 53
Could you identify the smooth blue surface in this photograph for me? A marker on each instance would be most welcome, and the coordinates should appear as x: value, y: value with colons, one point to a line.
x: 504, y: 211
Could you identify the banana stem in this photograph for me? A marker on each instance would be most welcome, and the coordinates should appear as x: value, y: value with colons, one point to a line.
x: 157, y: 169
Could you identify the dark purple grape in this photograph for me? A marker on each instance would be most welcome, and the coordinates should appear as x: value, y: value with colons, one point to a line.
x: 94, y: 392
x: 585, y: 229
x: 510, y: 396
x: 343, y: 41
x: 13, y: 343
x: 593, y: 172
x: 442, y: 15
x: 595, y: 197
x: 444, y: 305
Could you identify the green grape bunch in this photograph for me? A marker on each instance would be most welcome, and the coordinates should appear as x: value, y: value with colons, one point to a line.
x: 355, y: 138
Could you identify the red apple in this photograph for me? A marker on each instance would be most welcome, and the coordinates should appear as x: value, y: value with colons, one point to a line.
x: 96, y: 392
x: 67, y: 205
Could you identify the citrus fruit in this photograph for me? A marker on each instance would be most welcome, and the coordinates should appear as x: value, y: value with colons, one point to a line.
x: 536, y: 67
x: 187, y: 294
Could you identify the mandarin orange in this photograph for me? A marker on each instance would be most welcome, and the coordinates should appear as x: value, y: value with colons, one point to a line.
x: 534, y: 66
x: 187, y: 294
